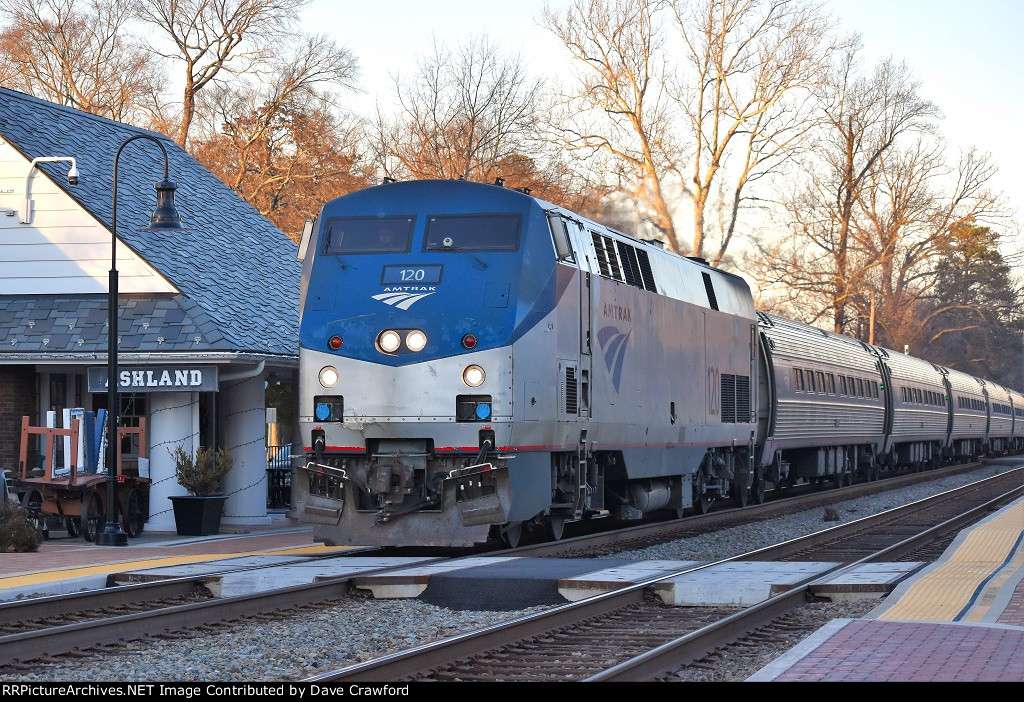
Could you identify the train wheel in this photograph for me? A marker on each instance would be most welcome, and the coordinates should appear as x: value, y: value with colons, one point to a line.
x: 513, y: 534
x: 703, y: 503
x: 134, y: 518
x: 93, y: 520
x: 556, y: 527
x: 32, y: 502
x: 701, y: 499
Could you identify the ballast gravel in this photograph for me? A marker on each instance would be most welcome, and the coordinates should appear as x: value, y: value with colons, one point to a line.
x: 347, y: 632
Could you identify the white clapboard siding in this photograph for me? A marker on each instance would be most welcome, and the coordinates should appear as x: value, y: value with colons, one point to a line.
x: 64, y: 250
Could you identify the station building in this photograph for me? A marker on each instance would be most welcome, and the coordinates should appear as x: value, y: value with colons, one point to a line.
x: 208, y: 314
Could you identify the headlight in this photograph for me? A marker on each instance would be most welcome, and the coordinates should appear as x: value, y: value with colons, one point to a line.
x: 416, y: 340
x: 328, y: 376
x: 389, y: 341
x: 473, y: 376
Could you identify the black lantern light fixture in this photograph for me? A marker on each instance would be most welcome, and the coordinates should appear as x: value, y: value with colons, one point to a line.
x: 164, y: 217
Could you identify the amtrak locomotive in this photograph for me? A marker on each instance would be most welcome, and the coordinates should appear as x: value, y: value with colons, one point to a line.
x: 476, y: 362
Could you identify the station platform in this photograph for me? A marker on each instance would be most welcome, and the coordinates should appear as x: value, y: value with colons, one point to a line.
x: 63, y: 564
x: 961, y: 619
x: 958, y: 619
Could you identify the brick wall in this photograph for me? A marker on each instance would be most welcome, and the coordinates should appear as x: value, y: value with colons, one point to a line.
x: 17, y: 398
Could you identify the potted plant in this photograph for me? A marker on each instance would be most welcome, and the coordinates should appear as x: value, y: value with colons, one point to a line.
x: 199, y: 512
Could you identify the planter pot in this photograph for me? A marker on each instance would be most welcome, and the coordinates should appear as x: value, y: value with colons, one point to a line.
x: 197, y: 516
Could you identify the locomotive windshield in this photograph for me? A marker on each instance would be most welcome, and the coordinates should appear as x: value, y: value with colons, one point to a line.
x: 496, y: 232
x: 350, y: 235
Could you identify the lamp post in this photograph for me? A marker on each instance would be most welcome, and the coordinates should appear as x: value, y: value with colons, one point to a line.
x: 164, y: 217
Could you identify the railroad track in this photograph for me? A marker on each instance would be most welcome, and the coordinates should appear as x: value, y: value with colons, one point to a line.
x: 46, y: 629
x: 629, y: 635
x: 587, y: 540
x: 95, y: 621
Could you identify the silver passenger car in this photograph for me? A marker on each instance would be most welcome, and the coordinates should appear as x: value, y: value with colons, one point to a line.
x: 969, y: 402
x: 1000, y: 429
x: 824, y: 413
x: 919, y: 431
x: 1017, y: 435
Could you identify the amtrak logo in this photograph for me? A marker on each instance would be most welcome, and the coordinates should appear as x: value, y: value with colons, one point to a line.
x: 403, y: 298
x: 613, y: 344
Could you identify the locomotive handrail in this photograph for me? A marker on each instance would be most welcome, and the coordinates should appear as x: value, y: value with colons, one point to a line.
x: 470, y: 470
x: 320, y: 469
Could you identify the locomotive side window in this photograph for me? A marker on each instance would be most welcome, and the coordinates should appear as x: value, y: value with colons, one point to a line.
x: 354, y: 235
x: 842, y: 385
x: 488, y: 232
x: 560, y: 236
x: 798, y: 379
x: 821, y: 381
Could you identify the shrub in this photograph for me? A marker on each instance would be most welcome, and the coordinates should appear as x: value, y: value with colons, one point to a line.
x: 17, y: 533
x: 201, y: 476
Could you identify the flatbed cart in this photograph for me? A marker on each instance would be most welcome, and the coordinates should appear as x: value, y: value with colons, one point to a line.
x: 77, y: 498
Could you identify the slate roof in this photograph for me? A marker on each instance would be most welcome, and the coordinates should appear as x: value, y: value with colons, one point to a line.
x: 236, y: 271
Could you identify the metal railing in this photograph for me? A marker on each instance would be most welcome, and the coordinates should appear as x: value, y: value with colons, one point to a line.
x: 279, y: 476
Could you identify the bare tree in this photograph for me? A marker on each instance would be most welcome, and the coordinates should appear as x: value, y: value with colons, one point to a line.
x: 77, y: 53
x: 462, y: 114
x: 278, y: 142
x: 864, y: 117
x: 752, y: 65
x: 618, y: 105
x: 215, y: 36
x: 911, y: 208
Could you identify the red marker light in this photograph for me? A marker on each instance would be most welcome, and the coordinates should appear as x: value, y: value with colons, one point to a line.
x: 335, y: 342
x: 469, y: 341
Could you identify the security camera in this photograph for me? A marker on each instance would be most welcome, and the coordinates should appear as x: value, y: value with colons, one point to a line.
x: 73, y: 176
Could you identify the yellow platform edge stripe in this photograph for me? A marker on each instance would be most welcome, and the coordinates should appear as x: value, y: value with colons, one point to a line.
x: 56, y: 574
x: 942, y: 593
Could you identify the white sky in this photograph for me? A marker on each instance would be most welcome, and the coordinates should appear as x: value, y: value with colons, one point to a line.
x: 967, y: 55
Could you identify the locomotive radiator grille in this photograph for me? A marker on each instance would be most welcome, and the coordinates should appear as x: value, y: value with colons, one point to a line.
x: 728, y: 398
x: 571, y: 391
x: 735, y: 398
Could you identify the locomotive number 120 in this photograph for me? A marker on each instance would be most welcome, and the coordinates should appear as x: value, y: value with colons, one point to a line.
x: 405, y: 274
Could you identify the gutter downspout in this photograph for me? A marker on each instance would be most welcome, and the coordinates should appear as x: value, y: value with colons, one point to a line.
x: 246, y: 374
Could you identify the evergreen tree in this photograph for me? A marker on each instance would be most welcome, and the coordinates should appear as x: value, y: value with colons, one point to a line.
x: 978, y: 321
